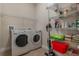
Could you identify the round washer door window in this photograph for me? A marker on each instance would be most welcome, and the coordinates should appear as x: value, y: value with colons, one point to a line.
x: 36, y: 38
x: 21, y: 40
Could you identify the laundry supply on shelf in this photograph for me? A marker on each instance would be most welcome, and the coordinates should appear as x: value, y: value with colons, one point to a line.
x: 57, y: 36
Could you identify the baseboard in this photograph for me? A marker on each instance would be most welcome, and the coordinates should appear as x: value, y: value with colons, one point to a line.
x: 2, y: 50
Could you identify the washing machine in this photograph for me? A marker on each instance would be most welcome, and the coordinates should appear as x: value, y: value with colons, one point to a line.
x: 20, y: 42
x: 36, y: 41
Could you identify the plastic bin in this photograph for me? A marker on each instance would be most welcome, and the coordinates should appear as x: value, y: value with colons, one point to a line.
x: 61, y: 47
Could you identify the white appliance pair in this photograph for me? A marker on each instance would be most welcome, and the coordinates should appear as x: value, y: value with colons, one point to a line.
x: 24, y: 41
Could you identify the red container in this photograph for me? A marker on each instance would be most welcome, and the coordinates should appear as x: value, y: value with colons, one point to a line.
x: 75, y: 51
x: 61, y: 47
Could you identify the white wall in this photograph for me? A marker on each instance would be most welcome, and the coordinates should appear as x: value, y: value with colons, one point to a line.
x: 42, y: 21
x: 0, y: 33
x: 0, y: 27
x: 22, y: 10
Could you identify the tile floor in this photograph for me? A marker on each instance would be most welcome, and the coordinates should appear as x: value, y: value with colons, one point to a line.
x: 38, y: 52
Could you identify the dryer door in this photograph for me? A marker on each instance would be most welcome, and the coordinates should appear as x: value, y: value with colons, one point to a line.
x: 36, y: 38
x: 21, y: 40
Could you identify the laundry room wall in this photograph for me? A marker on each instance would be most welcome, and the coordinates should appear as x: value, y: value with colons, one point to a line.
x: 0, y: 28
x: 17, y: 15
x: 42, y: 21
x: 0, y: 33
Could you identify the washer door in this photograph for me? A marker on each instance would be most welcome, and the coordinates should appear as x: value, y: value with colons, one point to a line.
x: 36, y: 38
x: 21, y: 40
